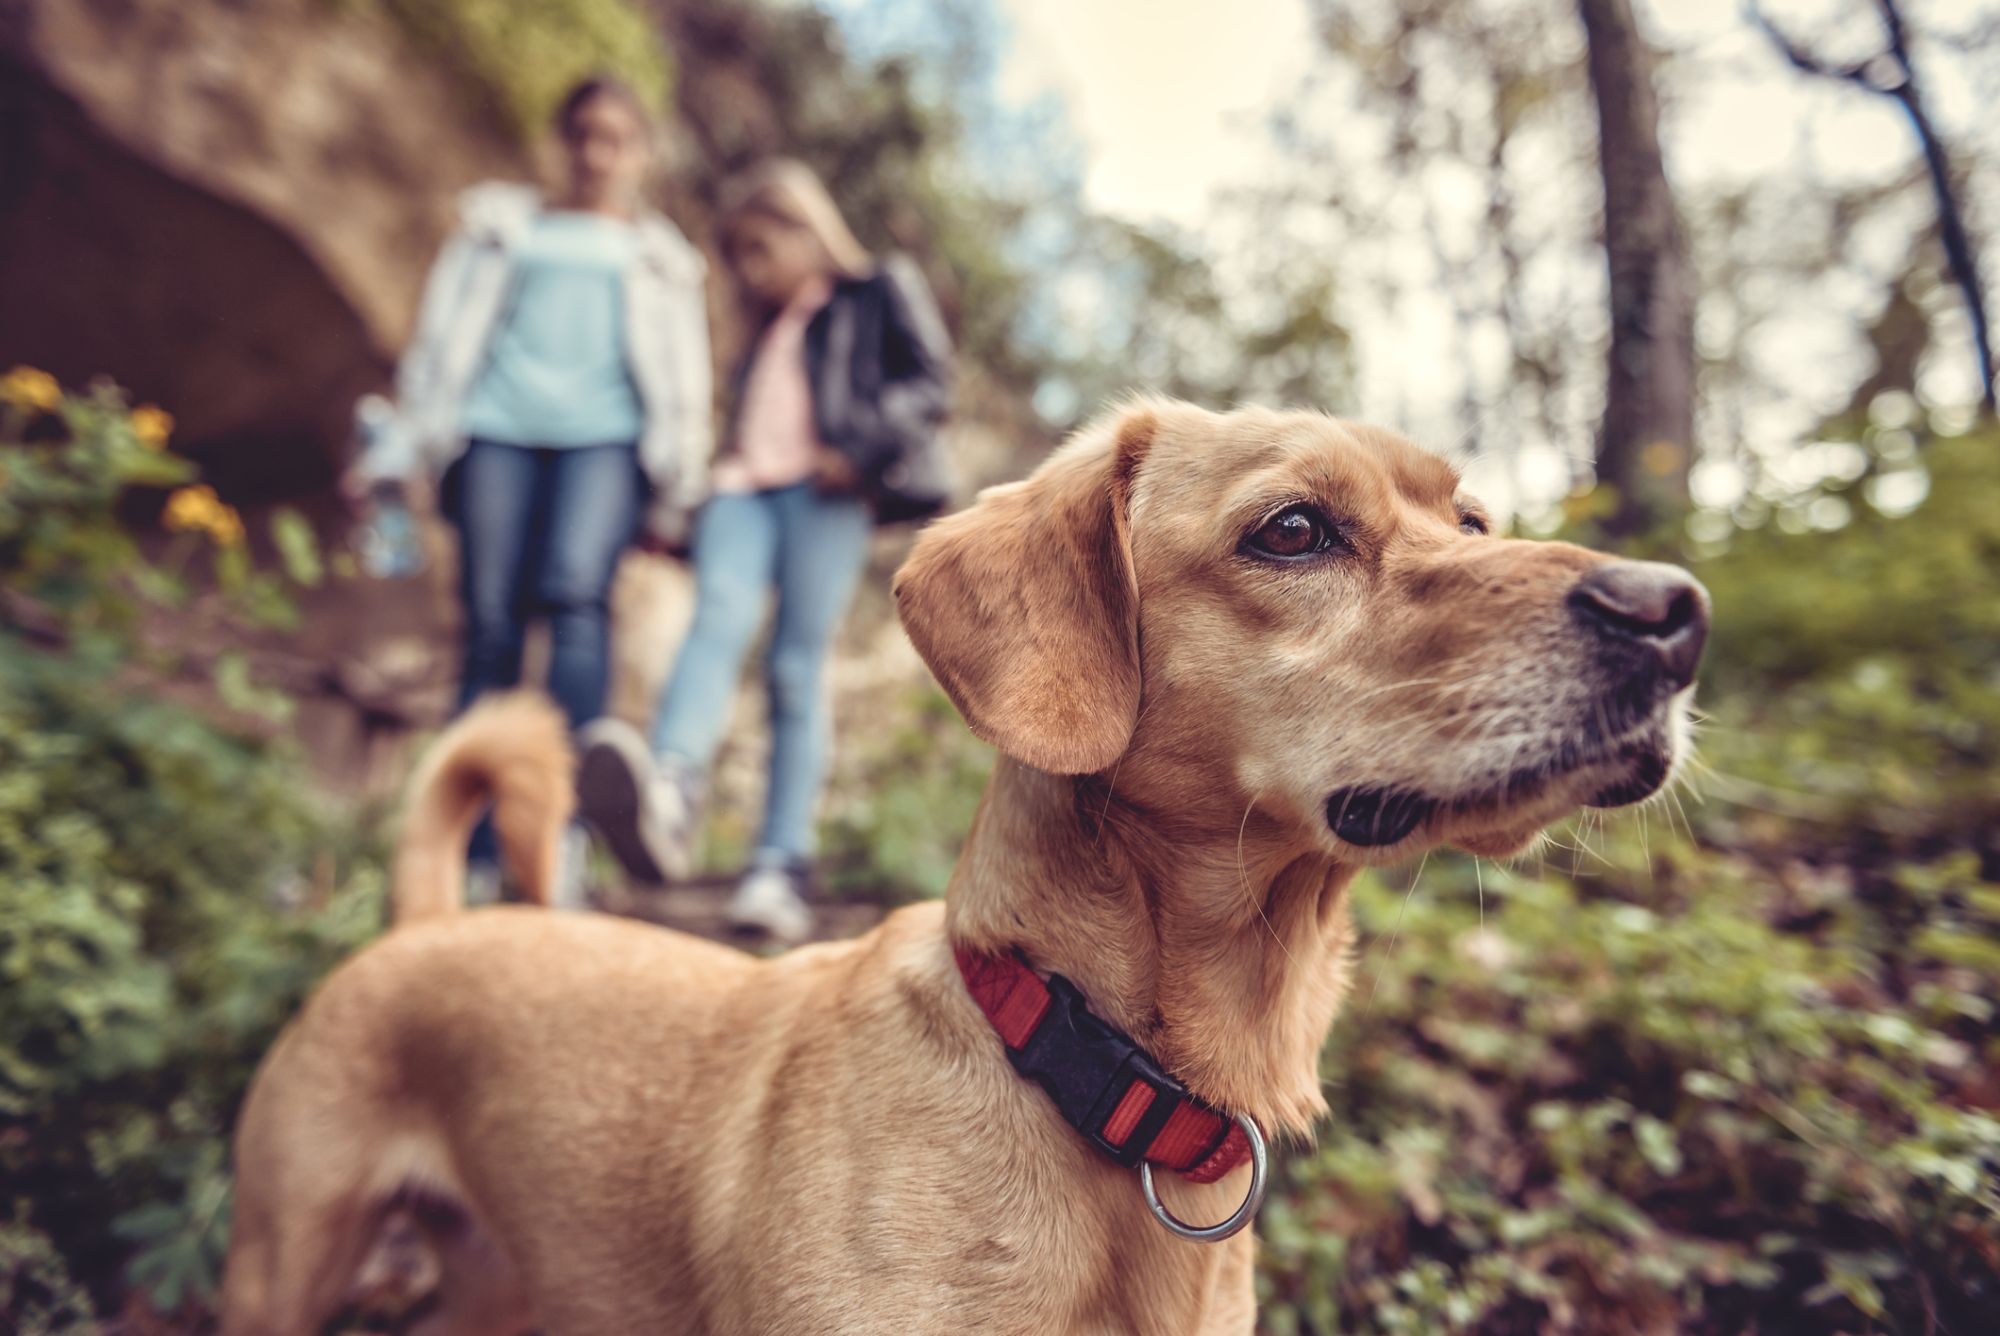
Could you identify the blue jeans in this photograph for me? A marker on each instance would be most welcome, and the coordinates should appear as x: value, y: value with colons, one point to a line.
x: 540, y: 533
x: 811, y: 549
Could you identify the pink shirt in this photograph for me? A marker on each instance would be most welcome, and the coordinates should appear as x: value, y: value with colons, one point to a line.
x: 775, y: 437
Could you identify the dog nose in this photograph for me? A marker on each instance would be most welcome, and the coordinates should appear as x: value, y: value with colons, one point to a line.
x: 1651, y: 604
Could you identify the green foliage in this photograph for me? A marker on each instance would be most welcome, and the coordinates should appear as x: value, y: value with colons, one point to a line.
x: 37, y: 1295
x: 1867, y: 658
x: 1641, y: 1089
x: 68, y: 461
x: 914, y: 795
x: 170, y: 890
x: 162, y: 920
x: 524, y: 55
x: 74, y: 466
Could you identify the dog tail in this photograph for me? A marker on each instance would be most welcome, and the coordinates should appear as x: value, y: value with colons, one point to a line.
x: 509, y: 752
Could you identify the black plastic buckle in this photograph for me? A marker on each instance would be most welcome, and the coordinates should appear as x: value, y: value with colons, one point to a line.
x: 1087, y: 1066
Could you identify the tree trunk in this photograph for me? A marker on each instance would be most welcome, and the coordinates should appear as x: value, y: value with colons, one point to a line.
x: 1648, y: 436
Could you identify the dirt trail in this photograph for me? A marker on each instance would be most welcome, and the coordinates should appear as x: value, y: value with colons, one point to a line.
x: 696, y: 907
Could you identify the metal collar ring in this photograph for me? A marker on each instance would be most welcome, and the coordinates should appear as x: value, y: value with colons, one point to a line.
x: 1259, y: 1173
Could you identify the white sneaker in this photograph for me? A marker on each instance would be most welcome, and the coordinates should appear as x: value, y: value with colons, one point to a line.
x: 767, y: 900
x: 645, y: 817
x: 483, y: 884
x: 572, y: 870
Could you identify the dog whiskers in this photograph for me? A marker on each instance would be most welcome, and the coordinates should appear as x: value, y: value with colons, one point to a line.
x: 1382, y: 965
x: 1446, y: 686
x: 1110, y: 787
x: 1405, y: 685
x: 1592, y: 823
x: 1243, y: 877
x: 1673, y: 796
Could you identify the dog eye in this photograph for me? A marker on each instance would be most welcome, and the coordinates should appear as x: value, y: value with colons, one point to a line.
x: 1298, y: 531
x: 1471, y: 523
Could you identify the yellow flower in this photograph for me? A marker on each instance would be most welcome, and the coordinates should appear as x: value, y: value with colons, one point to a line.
x: 200, y: 510
x: 152, y: 425
x: 190, y: 507
x: 30, y: 390
x: 227, y: 528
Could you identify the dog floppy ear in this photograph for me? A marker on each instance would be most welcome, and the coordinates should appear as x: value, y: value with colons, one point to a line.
x: 1026, y: 608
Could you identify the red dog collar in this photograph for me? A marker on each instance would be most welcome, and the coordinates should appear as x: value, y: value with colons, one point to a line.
x: 1105, y: 1085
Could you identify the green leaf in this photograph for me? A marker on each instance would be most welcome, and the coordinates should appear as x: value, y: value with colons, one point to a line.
x: 239, y: 691
x: 1659, y: 1144
x: 298, y: 546
x: 155, y: 468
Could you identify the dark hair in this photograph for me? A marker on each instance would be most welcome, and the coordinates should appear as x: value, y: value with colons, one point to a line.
x: 588, y: 91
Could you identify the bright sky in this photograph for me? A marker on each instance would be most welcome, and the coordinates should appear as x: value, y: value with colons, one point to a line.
x: 1170, y: 96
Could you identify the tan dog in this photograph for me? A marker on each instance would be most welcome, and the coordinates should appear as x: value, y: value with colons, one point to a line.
x: 509, y: 753
x: 1227, y: 660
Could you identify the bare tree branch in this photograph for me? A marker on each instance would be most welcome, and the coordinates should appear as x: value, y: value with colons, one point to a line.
x: 1891, y: 74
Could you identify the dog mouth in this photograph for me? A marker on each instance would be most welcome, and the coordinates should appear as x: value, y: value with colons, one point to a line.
x: 1618, y: 773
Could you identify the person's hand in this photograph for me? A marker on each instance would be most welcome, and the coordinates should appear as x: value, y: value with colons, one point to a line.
x: 833, y: 472
x: 358, y: 488
x: 657, y: 545
x: 668, y: 530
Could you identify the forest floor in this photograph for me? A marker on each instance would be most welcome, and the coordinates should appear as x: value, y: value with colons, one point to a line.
x: 696, y: 906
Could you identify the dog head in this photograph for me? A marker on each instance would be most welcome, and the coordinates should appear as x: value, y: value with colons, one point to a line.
x: 1305, y: 617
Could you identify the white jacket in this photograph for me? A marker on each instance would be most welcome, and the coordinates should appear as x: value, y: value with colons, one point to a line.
x: 666, y: 345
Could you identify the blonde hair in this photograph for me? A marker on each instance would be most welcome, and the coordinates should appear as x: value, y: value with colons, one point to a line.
x: 787, y: 190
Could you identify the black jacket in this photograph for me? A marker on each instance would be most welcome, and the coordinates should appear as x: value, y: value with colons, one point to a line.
x: 879, y: 364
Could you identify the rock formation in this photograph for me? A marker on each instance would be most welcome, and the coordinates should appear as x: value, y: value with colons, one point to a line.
x: 226, y: 208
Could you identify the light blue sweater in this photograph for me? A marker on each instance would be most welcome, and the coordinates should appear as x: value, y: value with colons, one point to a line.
x: 556, y: 371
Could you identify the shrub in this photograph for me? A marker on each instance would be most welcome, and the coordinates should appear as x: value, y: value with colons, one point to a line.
x: 914, y: 789
x: 170, y: 890
x: 1865, y: 663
